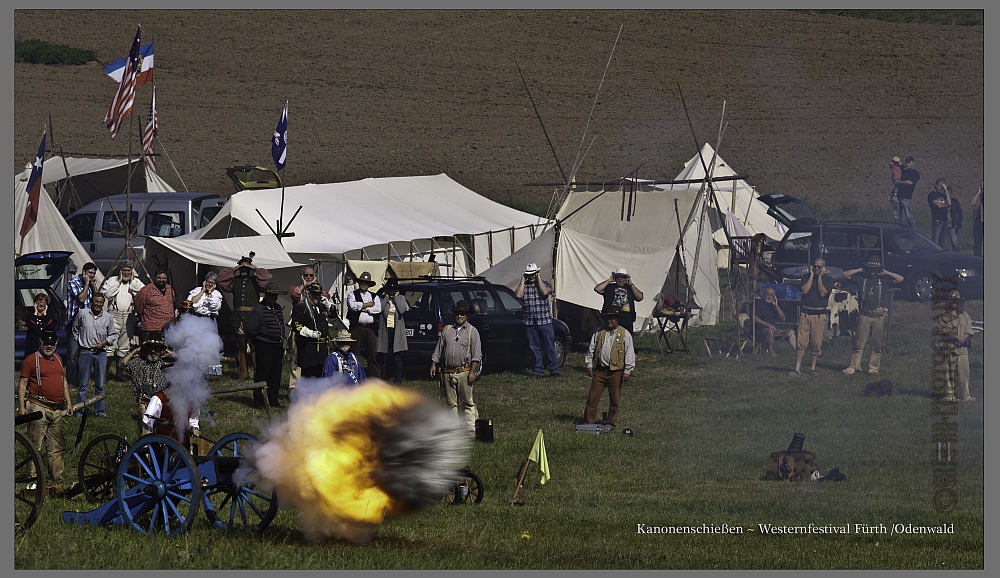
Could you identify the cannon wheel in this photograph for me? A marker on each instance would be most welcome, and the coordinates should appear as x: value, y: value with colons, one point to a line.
x: 238, y: 507
x: 98, y: 467
x: 27, y: 503
x: 474, y: 494
x: 167, y: 491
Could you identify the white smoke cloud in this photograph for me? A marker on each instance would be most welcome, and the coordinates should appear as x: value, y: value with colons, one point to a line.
x: 196, y: 342
x: 309, y: 387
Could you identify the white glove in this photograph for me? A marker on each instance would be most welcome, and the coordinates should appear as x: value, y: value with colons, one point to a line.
x: 306, y: 332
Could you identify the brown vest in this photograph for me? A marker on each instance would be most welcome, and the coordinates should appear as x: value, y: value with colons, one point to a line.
x: 617, y: 348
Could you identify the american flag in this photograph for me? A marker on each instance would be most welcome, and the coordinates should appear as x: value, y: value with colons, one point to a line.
x: 148, y: 133
x: 121, y: 106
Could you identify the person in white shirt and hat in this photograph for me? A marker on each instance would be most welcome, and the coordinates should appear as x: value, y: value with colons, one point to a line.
x: 619, y: 291
x: 120, y: 291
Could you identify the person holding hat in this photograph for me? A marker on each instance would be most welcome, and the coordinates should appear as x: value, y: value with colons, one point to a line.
x: 121, y: 290
x: 312, y: 331
x: 619, y: 291
x: 362, y: 310
x: 534, y: 295
x: 895, y: 172
x: 266, y: 330
x: 610, y: 361
x: 43, y: 387
x: 940, y: 200
x: 146, y: 364
x: 343, y: 361
x: 392, y: 331
x: 904, y: 192
x: 459, y: 351
x: 246, y: 283
x: 955, y: 326
x: 873, y: 305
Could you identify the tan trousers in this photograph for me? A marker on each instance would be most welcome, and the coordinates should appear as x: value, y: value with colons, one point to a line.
x: 48, y: 429
x: 125, y: 325
x: 457, y: 393
x: 295, y: 372
x: 958, y: 369
x: 603, y: 379
x: 868, y: 325
x: 810, y: 333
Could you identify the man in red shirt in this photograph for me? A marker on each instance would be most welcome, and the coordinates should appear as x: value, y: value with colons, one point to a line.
x: 154, y: 305
x: 43, y: 387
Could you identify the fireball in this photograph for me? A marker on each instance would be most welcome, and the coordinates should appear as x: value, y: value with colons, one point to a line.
x: 347, y: 459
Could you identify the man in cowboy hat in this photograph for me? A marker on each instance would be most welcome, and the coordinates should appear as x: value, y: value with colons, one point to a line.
x: 146, y: 364
x: 619, y: 291
x: 121, y: 291
x: 266, y: 328
x: 342, y: 361
x: 312, y: 332
x: 392, y: 331
x: 534, y: 294
x: 43, y: 387
x: 873, y: 305
x: 327, y: 303
x: 362, y: 310
x: 610, y: 361
x: 955, y: 326
x: 459, y: 351
x: 246, y: 283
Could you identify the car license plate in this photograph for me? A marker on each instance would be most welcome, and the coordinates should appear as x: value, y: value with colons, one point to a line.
x: 409, y: 333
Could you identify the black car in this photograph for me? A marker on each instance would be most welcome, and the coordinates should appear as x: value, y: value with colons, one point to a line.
x: 498, y: 319
x: 36, y: 273
x: 848, y: 245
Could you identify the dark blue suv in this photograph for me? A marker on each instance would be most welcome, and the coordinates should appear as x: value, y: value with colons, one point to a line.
x: 36, y: 273
x: 498, y: 319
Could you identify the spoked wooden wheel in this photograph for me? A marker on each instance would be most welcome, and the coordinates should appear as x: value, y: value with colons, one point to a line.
x: 239, y: 505
x: 29, y: 483
x: 158, y: 487
x: 469, y: 490
x: 99, y: 467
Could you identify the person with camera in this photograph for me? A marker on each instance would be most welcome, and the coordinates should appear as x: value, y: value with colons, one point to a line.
x: 873, y: 300
x: 765, y: 317
x: 978, y: 224
x: 79, y: 290
x: 956, y: 328
x: 619, y: 291
x: 896, y: 173
x: 812, y: 316
x: 537, y: 316
x: 312, y: 332
x: 940, y: 202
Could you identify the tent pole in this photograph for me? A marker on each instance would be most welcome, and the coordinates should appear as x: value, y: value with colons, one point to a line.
x: 733, y: 204
x: 454, y: 255
x: 557, y: 230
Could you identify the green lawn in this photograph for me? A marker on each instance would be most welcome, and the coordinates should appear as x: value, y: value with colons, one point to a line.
x: 704, y: 428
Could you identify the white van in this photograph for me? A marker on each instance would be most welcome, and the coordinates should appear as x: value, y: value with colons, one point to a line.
x: 99, y: 224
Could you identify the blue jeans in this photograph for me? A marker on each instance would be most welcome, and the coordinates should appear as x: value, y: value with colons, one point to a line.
x: 953, y: 235
x: 939, y: 233
x: 542, y: 341
x: 904, y: 206
x: 99, y: 362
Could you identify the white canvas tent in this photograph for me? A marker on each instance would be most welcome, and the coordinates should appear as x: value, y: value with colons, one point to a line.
x: 51, y: 232
x: 93, y: 179
x: 593, y: 240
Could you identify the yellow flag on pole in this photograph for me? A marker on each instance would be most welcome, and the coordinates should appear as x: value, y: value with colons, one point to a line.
x: 538, y: 456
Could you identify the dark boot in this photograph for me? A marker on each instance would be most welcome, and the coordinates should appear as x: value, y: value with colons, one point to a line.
x: 241, y: 365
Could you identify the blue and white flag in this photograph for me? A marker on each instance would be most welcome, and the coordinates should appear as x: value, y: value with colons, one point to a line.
x: 280, y: 140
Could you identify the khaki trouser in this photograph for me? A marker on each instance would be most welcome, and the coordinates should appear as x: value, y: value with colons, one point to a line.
x: 810, y: 333
x: 48, y: 429
x: 603, y: 379
x: 457, y: 393
x: 125, y: 324
x: 868, y: 325
x: 295, y: 372
x: 958, y: 369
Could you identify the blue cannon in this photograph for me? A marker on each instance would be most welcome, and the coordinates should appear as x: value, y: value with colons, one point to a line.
x: 160, y: 486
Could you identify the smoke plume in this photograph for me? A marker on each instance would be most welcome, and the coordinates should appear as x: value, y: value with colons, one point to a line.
x: 348, y: 458
x: 196, y: 342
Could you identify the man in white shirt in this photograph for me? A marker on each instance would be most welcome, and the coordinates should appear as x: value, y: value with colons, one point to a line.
x: 610, y: 361
x: 362, y: 310
x: 120, y: 291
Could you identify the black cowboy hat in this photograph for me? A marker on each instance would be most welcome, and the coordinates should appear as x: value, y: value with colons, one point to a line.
x: 273, y: 289
x: 154, y: 339
x: 462, y: 307
x: 49, y: 337
x: 874, y: 263
x: 612, y: 312
x: 366, y: 277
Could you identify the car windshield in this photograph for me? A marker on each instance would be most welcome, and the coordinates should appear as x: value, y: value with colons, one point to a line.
x: 912, y: 242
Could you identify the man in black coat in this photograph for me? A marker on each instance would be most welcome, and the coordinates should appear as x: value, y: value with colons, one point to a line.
x: 310, y: 325
x: 266, y: 329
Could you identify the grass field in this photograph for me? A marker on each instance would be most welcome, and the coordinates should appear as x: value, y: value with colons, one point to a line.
x: 704, y: 428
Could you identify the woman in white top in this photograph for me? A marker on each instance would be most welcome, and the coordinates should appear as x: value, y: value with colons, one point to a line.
x: 206, y: 300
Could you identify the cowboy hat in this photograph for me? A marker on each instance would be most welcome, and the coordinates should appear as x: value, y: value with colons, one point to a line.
x: 621, y: 272
x: 895, y: 160
x: 315, y: 288
x: 49, y: 337
x: 613, y: 311
x: 366, y: 277
x: 154, y: 339
x: 531, y: 269
x: 462, y: 307
x: 874, y: 262
x: 272, y: 288
x: 343, y: 336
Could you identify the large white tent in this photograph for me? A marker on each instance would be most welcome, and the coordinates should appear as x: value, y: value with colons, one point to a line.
x: 91, y: 179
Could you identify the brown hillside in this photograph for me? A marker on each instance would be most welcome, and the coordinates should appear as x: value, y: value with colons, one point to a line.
x: 816, y: 105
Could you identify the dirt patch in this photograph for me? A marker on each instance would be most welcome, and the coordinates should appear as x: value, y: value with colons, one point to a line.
x: 816, y: 105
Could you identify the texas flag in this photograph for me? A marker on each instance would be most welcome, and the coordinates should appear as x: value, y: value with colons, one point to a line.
x: 34, y: 190
x: 114, y: 70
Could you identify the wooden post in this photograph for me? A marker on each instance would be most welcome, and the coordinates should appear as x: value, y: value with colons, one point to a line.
x: 734, y: 196
x: 520, y: 480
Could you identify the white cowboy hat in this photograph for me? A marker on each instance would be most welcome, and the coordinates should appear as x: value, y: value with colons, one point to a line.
x: 531, y: 269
